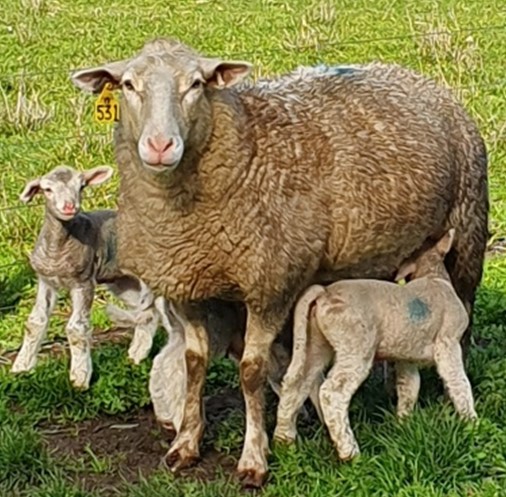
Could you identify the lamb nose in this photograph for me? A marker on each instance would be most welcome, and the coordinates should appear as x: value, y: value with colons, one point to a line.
x: 68, y: 206
x: 160, y: 145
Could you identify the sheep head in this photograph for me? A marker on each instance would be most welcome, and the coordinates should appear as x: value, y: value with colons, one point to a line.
x: 166, y: 91
x: 62, y: 187
x: 429, y: 259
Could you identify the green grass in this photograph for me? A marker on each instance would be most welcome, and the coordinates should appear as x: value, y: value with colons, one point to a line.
x: 44, y: 121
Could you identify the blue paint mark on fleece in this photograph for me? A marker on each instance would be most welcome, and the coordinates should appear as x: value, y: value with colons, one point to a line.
x: 335, y: 70
x: 418, y: 310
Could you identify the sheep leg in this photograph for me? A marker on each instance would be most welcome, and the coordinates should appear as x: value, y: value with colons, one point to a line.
x: 147, y: 325
x: 298, y: 385
x: 408, y: 387
x: 450, y: 366
x: 36, y: 327
x: 260, y: 334
x: 79, y: 335
x: 465, y: 259
x: 136, y: 295
x: 336, y: 393
x: 293, y: 395
x: 185, y: 448
x: 314, y: 396
x: 144, y: 333
x: 167, y: 380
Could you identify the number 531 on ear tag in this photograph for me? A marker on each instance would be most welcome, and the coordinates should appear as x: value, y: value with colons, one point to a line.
x: 106, y: 109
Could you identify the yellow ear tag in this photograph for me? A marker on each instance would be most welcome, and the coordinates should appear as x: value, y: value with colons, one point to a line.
x: 106, y: 109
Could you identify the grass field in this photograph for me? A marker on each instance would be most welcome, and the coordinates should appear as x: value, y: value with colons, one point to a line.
x: 56, y: 442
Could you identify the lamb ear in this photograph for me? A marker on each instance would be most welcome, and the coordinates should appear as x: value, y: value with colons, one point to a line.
x: 31, y: 189
x: 406, y: 269
x: 94, y: 79
x: 223, y: 74
x: 445, y: 243
x: 97, y: 175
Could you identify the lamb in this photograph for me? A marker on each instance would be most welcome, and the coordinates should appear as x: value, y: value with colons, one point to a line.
x: 358, y: 321
x: 75, y: 251
x: 254, y: 191
x: 168, y: 376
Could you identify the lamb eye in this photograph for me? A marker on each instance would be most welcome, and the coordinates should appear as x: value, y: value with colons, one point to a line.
x: 128, y: 85
x: 47, y: 190
x: 196, y: 84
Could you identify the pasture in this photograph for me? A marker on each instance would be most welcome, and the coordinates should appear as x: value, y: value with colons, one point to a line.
x: 58, y: 442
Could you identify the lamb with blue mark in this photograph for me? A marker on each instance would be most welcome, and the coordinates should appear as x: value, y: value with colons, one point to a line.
x: 352, y: 323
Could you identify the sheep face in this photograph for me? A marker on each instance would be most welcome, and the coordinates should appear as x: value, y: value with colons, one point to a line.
x: 62, y: 188
x: 428, y: 260
x: 166, y: 92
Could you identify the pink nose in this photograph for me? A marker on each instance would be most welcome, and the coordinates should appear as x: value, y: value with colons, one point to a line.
x: 160, y: 145
x: 69, y: 208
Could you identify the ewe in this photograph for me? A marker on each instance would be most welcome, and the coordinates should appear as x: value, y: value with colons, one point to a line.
x: 252, y: 192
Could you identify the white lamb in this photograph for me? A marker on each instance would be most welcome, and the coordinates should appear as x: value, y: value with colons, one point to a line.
x: 76, y: 251
x: 354, y: 322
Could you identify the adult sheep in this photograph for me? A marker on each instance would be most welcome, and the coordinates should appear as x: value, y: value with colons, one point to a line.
x: 253, y: 192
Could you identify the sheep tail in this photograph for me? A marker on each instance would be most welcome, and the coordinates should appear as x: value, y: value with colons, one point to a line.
x: 301, y: 329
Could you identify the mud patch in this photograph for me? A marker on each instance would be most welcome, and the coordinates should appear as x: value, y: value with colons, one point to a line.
x: 108, y: 452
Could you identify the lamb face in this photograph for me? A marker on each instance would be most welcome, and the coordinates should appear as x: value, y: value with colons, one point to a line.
x: 62, y: 188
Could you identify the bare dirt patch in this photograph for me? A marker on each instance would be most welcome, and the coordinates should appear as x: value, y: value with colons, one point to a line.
x: 110, y: 451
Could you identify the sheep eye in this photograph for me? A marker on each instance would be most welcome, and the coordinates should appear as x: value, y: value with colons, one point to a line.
x: 47, y: 190
x: 128, y: 85
x: 196, y: 84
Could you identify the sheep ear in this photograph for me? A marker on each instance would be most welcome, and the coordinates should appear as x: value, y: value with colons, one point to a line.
x: 94, y: 79
x: 97, y: 175
x: 223, y: 74
x: 444, y: 245
x: 31, y: 189
x: 406, y: 269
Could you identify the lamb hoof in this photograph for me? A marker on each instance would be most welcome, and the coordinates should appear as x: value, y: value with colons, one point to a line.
x: 404, y: 414
x: 469, y: 416
x: 81, y: 387
x: 20, y: 367
x: 349, y: 455
x: 80, y: 382
x: 179, y: 458
x: 283, y: 439
x: 251, y: 478
x: 137, y: 355
x: 135, y: 360
x: 169, y: 429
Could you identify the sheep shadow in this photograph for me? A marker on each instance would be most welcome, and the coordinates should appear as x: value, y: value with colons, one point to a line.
x: 13, y: 287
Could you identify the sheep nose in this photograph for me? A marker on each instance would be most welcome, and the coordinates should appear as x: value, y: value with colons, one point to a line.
x: 69, y: 208
x: 160, y: 145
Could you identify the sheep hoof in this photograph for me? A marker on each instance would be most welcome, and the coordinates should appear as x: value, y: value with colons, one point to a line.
x: 469, y: 416
x: 168, y: 428
x: 349, y: 455
x: 283, y: 438
x: 180, y: 458
x: 251, y: 478
x: 20, y: 367
x: 136, y: 356
x: 80, y: 381
x: 81, y: 387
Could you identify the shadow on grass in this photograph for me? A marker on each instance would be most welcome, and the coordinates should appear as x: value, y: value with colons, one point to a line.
x: 14, y: 285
